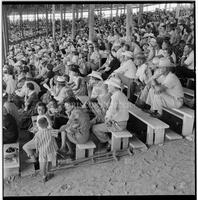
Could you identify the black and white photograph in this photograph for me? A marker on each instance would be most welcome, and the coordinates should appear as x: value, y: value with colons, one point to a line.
x: 98, y: 98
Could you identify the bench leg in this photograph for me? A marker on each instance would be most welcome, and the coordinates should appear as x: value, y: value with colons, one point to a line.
x: 150, y: 135
x: 80, y: 153
x: 125, y: 143
x: 187, y: 127
x: 54, y: 161
x: 116, y: 142
x: 159, y: 136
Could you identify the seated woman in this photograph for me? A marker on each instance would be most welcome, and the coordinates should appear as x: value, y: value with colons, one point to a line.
x: 77, y: 129
x: 166, y: 91
x: 78, y: 86
x: 10, y: 129
x: 117, y: 114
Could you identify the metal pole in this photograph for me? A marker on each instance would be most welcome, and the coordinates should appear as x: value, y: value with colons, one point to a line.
x: 128, y: 22
x: 111, y: 11
x: 81, y: 11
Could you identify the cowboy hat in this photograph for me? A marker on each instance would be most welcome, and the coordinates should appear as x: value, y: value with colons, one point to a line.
x: 115, y: 82
x: 96, y: 74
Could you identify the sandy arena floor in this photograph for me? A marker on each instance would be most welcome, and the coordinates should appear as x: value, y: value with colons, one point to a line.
x: 162, y: 170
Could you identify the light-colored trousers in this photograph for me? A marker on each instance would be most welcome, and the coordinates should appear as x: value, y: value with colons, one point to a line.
x: 101, y: 130
x: 158, y: 101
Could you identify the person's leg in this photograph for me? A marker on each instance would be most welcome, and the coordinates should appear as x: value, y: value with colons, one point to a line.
x: 150, y: 98
x: 165, y: 100
x: 63, y: 141
x: 29, y: 148
x: 43, y: 168
x: 100, y: 131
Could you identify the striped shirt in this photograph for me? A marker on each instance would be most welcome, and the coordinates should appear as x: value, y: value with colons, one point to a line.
x: 45, y: 142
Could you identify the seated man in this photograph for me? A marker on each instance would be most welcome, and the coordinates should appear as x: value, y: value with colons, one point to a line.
x: 117, y: 114
x: 166, y: 91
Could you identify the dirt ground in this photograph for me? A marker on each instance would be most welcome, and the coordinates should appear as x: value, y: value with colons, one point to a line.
x: 162, y: 170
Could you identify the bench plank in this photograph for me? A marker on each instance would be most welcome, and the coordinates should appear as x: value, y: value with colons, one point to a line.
x: 189, y: 92
x: 135, y: 143
x: 122, y: 134
x: 171, y: 135
x: 182, y: 111
x: 88, y: 145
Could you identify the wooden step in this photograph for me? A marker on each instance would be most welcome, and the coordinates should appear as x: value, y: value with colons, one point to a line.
x: 171, y: 135
x: 135, y: 143
x: 189, y: 92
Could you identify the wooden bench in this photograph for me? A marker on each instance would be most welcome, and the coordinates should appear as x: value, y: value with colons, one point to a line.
x: 189, y: 92
x: 155, y: 127
x: 82, y: 148
x: 187, y: 115
x: 12, y: 164
x: 120, y: 140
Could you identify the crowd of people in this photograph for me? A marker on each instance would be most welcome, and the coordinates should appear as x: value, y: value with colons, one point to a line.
x: 45, y: 81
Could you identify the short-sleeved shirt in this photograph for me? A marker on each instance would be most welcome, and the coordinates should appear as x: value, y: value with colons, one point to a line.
x: 190, y: 61
x: 173, y: 84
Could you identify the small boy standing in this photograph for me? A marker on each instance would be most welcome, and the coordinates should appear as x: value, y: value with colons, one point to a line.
x: 45, y: 146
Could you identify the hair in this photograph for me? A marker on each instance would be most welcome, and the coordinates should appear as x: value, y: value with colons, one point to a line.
x: 72, y: 101
x: 169, y: 50
x: 41, y: 104
x: 43, y: 123
x: 127, y: 47
x: 30, y: 86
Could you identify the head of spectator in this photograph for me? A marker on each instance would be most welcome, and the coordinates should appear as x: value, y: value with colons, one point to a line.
x: 42, y: 123
x: 41, y: 108
x: 139, y: 59
x: 114, y: 84
x: 95, y: 77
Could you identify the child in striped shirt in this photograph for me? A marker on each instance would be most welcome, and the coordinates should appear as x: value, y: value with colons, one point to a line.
x: 46, y: 147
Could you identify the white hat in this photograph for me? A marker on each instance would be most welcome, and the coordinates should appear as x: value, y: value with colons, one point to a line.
x: 61, y: 79
x: 155, y: 60
x: 164, y: 62
x: 128, y: 54
x: 113, y: 82
x: 57, y: 68
x: 20, y: 77
x: 96, y: 74
x: 153, y: 41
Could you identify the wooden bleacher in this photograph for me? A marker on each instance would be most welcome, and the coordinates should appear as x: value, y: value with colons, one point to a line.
x: 155, y: 127
x: 187, y: 115
x: 189, y: 92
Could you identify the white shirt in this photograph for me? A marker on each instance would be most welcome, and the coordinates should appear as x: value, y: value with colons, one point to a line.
x: 128, y: 69
x: 118, y: 109
x: 173, y: 84
x: 190, y: 61
x: 10, y: 84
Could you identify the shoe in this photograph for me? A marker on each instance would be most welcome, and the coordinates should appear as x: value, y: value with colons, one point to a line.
x: 108, y: 148
x: 147, y: 110
x: 156, y: 115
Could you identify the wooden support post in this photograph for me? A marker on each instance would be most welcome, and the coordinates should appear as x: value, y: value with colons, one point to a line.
x: 125, y: 143
x: 187, y: 127
x: 47, y: 24
x: 77, y: 12
x: 116, y: 142
x: 73, y: 21
x: 53, y: 21
x: 166, y: 6
x: 5, y: 39
x: 128, y: 22
x: 100, y: 10
x: 159, y: 136
x: 81, y: 11
x: 124, y: 8
x: 177, y: 10
x: 61, y: 20
x: 141, y: 6
x: 111, y: 11
x: 21, y: 21
x: 150, y: 135
x: 91, y: 22
x: 117, y: 7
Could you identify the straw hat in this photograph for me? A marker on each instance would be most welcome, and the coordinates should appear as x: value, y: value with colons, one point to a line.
x: 164, y: 62
x: 156, y: 60
x: 128, y: 54
x: 96, y: 74
x: 114, y: 82
x: 139, y: 56
x: 57, y: 68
